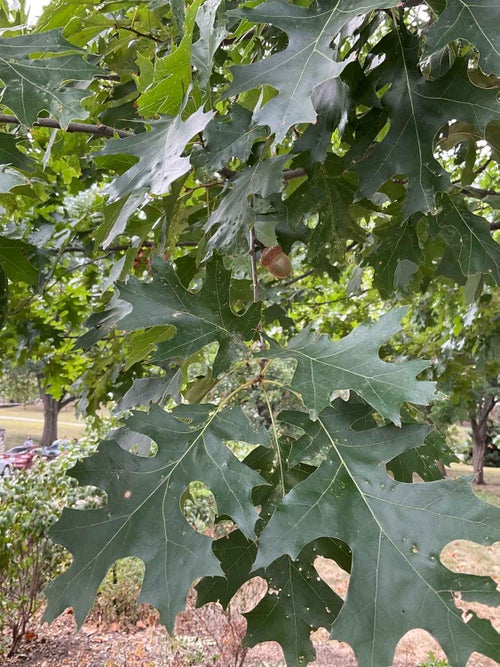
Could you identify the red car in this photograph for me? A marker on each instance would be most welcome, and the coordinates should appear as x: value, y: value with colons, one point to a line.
x: 20, y: 457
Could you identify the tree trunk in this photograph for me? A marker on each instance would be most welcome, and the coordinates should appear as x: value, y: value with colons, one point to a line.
x: 51, y: 409
x: 479, y: 423
x: 50, y: 415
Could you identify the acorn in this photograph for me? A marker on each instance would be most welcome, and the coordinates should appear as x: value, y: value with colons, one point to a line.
x: 276, y: 262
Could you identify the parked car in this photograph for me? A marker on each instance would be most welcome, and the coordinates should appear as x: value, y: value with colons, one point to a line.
x: 54, y: 449
x: 5, y: 468
x: 20, y: 457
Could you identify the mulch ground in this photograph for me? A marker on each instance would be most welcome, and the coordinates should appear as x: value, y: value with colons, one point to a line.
x: 211, y: 637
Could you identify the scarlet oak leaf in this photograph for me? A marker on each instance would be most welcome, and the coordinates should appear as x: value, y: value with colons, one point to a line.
x: 397, y: 256
x: 159, y: 154
x: 35, y: 70
x: 353, y: 363
x: 227, y: 137
x: 143, y: 517
x: 473, y: 20
x: 307, y: 61
x: 469, y: 239
x: 297, y: 601
x: 417, y: 108
x: 396, y: 532
x: 233, y: 219
x: 199, y: 318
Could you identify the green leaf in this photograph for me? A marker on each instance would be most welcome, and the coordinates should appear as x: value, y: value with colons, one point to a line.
x: 212, y: 26
x: 331, y: 101
x: 236, y: 215
x: 329, y: 196
x: 159, y: 152
x: 475, y: 21
x: 396, y: 532
x: 236, y: 554
x: 10, y: 155
x: 297, y: 602
x: 143, y: 517
x: 353, y: 363
x: 199, y: 318
x: 228, y: 137
x: 468, y: 238
x: 172, y: 74
x: 10, y: 179
x: 141, y: 343
x: 422, y: 460
x: 397, y: 256
x: 14, y: 261
x: 417, y: 109
x: 306, y: 62
x: 35, y: 69
x: 116, y: 216
x: 146, y: 391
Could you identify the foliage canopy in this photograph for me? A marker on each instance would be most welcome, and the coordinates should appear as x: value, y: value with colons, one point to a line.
x: 150, y: 151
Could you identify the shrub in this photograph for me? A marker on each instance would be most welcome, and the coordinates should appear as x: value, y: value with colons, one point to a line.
x: 31, y: 502
x: 118, y: 593
x: 432, y: 661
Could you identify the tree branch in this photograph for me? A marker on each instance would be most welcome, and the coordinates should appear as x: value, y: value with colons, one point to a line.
x: 138, y: 32
x: 479, y: 193
x: 65, y: 401
x: 127, y: 246
x: 297, y: 278
x: 99, y: 130
x: 288, y: 174
x: 488, y: 405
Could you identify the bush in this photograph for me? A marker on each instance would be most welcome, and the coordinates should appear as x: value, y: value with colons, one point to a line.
x: 432, y: 661
x: 31, y: 502
x: 118, y: 593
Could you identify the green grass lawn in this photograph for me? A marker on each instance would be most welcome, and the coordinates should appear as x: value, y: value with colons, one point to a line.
x: 19, y: 422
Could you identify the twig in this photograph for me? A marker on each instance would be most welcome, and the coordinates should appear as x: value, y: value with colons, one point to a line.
x: 348, y: 297
x: 288, y: 174
x: 127, y: 246
x: 256, y: 292
x: 303, y: 275
x: 479, y: 193
x: 138, y: 32
x: 99, y: 130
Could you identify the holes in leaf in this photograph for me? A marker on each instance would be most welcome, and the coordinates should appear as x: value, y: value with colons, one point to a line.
x: 471, y: 558
x: 135, y: 443
x: 116, y: 600
x: 251, y: 593
x: 416, y: 646
x: 89, y: 498
x: 465, y: 557
x: 199, y: 507
x: 333, y: 575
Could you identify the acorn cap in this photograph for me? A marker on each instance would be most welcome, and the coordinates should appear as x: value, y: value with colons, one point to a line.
x: 268, y: 254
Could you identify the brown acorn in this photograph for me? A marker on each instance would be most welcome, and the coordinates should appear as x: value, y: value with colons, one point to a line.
x: 276, y: 262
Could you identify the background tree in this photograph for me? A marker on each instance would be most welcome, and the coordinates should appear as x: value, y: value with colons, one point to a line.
x: 463, y: 340
x: 209, y: 134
